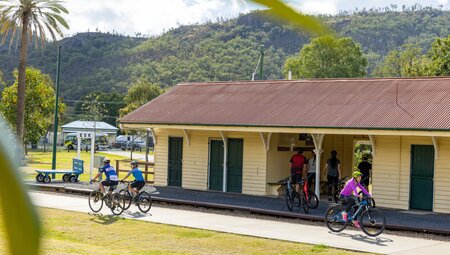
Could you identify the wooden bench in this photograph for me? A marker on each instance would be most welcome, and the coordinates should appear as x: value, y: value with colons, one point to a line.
x: 68, y: 175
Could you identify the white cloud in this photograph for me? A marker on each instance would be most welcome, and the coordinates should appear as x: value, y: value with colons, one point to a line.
x: 318, y: 7
x: 155, y: 16
x: 147, y: 17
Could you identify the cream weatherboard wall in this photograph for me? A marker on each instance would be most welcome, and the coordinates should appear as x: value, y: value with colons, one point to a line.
x: 442, y: 177
x: 195, y: 159
x: 392, y: 172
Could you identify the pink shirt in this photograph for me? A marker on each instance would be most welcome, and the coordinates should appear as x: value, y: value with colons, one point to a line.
x: 350, y: 188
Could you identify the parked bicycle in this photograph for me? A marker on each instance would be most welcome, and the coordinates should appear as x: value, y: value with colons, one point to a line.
x: 112, y: 200
x: 341, y: 185
x: 372, y: 220
x: 142, y: 200
x: 310, y: 197
x: 307, y: 199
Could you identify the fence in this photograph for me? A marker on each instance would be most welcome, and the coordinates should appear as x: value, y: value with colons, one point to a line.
x: 147, y: 168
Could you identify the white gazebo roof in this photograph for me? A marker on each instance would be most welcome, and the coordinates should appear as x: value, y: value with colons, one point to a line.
x: 81, y: 125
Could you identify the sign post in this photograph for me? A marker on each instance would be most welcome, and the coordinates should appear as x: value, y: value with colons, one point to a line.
x: 87, y: 135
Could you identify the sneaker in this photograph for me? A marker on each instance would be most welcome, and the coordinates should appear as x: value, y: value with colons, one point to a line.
x: 329, y: 199
x: 356, y: 224
x: 344, y: 216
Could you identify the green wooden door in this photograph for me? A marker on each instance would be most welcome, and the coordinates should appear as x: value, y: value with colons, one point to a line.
x: 235, y: 152
x: 175, y: 161
x: 216, y: 165
x: 422, y: 173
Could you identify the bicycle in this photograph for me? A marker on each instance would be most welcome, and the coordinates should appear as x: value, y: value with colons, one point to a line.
x: 142, y: 200
x: 114, y: 201
x: 372, y: 220
x: 307, y: 198
x: 341, y: 185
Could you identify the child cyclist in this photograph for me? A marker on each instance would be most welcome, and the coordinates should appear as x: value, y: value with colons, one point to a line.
x: 349, y: 195
x: 138, y: 182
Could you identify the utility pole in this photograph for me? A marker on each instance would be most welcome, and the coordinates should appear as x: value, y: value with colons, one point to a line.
x: 55, y: 128
x: 262, y: 63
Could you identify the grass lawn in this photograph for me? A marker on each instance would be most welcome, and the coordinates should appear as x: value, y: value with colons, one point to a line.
x: 43, y: 160
x: 80, y: 233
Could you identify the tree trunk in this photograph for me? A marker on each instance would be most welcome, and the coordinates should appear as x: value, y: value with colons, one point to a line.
x: 20, y: 117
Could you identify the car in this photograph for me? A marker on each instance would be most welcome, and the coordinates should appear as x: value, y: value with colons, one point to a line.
x: 132, y: 146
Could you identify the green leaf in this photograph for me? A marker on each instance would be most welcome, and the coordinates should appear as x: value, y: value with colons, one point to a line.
x: 298, y: 20
x: 19, y: 215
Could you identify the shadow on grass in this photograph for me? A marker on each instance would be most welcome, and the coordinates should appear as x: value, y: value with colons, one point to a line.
x: 379, y: 241
x: 104, y: 219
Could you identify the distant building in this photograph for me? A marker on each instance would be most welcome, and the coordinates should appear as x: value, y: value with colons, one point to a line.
x: 90, y: 126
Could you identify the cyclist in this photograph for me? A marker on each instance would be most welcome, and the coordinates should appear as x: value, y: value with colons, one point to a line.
x: 138, y: 182
x: 349, y: 194
x: 298, y: 163
x: 111, y: 176
x: 366, y: 169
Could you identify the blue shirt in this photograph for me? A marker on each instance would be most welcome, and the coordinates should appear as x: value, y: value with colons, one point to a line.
x: 137, y: 174
x: 109, y: 172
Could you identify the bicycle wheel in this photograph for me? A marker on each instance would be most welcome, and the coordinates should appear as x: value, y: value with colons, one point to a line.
x: 333, y: 219
x: 144, y: 202
x: 117, y: 204
x: 289, y: 199
x: 305, y: 202
x: 127, y: 198
x: 373, y: 222
x: 96, y: 200
x: 313, y: 200
x: 296, y: 199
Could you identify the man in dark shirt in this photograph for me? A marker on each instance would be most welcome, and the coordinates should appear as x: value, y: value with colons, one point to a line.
x: 298, y: 163
x: 366, y: 169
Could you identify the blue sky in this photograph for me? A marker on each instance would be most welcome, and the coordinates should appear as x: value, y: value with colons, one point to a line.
x: 156, y: 16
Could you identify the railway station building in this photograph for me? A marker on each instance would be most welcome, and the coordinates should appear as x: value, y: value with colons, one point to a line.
x: 239, y: 136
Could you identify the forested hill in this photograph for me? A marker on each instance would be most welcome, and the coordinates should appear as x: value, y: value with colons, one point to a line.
x: 223, y: 50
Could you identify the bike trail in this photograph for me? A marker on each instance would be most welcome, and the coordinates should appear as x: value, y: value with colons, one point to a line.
x: 348, y: 239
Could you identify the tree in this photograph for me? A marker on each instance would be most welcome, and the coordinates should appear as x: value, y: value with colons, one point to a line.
x: 440, y: 57
x: 109, y: 105
x: 406, y: 62
x: 29, y: 19
x: 139, y: 94
x: 327, y: 57
x: 92, y: 109
x: 39, y: 104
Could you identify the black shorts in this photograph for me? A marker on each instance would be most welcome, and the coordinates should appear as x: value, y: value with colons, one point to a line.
x: 365, y: 182
x: 138, y: 184
x: 112, y: 184
x: 296, y: 178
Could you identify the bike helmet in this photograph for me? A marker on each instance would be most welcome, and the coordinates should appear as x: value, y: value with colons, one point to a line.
x: 106, y: 160
x: 134, y: 163
x: 356, y: 174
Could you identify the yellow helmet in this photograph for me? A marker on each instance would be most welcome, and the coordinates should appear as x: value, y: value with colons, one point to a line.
x: 356, y: 174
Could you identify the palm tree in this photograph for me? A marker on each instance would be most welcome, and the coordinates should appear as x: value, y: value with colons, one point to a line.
x: 29, y: 20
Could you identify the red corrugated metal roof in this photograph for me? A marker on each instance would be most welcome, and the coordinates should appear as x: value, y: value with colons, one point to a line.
x: 415, y: 103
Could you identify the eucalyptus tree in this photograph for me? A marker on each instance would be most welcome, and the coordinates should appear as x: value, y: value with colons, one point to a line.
x: 24, y: 21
